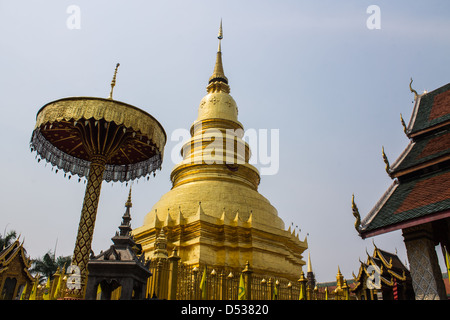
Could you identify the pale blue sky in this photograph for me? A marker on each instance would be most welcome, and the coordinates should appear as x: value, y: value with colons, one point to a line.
x: 311, y: 69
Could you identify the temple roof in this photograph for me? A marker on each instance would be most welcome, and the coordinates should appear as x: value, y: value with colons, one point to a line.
x: 389, y: 265
x: 420, y: 153
x: 408, y: 202
x: 14, y: 250
x: 431, y: 109
x: 389, y: 260
x: 429, y: 133
x: 421, y: 187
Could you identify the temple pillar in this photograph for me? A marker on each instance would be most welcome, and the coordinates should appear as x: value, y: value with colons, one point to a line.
x: 425, y: 271
x: 91, y: 288
x: 127, y: 289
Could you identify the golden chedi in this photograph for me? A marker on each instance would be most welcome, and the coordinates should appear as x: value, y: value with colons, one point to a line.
x: 214, y: 214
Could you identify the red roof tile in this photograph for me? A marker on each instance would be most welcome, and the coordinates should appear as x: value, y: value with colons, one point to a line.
x: 441, y: 106
x: 426, y: 192
x: 436, y: 145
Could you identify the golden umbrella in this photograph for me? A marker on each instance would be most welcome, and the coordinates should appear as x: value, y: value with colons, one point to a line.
x: 100, y: 139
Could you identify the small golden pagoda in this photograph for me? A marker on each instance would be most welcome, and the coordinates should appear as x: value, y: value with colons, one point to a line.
x: 214, y: 214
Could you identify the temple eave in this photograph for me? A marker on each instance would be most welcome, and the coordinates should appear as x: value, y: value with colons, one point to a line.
x: 436, y: 161
x: 405, y: 224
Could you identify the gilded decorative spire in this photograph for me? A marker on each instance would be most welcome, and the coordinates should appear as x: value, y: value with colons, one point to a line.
x: 356, y: 214
x: 220, y: 35
x: 339, y: 279
x: 309, y: 263
x: 160, y: 251
x: 113, y: 82
x: 218, y: 81
x: 310, y: 274
x: 125, y: 227
x: 412, y: 90
x: 403, y: 123
x: 128, y: 204
x: 386, y: 161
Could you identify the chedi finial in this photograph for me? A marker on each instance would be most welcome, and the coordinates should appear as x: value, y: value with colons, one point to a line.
x: 220, y: 35
x: 113, y: 82
x: 218, y: 81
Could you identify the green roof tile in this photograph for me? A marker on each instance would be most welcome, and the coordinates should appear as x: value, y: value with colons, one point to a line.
x: 423, y: 117
x: 389, y: 210
x: 423, y: 150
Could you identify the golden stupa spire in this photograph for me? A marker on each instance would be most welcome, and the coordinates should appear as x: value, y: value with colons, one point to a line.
x: 218, y: 73
x: 339, y: 279
x: 220, y: 36
x: 113, y: 82
x: 309, y: 263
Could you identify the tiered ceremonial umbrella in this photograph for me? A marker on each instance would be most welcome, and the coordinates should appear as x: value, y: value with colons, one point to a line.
x: 100, y: 139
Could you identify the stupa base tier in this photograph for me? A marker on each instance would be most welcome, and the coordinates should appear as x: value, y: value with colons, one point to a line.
x: 277, y: 254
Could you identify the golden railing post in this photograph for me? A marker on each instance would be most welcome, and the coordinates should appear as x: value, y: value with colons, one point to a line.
x: 289, y: 290
x: 276, y: 290
x: 213, y: 286
x: 39, y: 292
x: 63, y: 286
x: 248, y: 281
x: 223, y: 287
x: 194, y: 286
x: 173, y: 275
x: 303, y: 291
x: 56, y: 277
x: 264, y: 289
x: 270, y: 286
x: 230, y: 285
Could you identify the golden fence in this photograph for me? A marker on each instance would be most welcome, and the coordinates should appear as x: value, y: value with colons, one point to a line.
x: 177, y: 281
x: 174, y: 280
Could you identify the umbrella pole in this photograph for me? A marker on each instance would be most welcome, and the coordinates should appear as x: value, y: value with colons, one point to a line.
x: 86, y: 226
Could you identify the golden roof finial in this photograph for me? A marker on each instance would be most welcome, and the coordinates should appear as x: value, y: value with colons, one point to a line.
x: 356, y: 214
x: 386, y: 161
x: 220, y: 36
x: 412, y: 90
x: 113, y: 82
x: 218, y: 73
x: 403, y: 123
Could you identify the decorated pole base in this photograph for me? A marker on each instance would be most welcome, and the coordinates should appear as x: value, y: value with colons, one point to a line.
x: 77, y: 281
x: 425, y: 271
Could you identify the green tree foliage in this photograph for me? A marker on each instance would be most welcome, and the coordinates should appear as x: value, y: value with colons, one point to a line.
x: 48, y: 265
x: 7, y: 239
